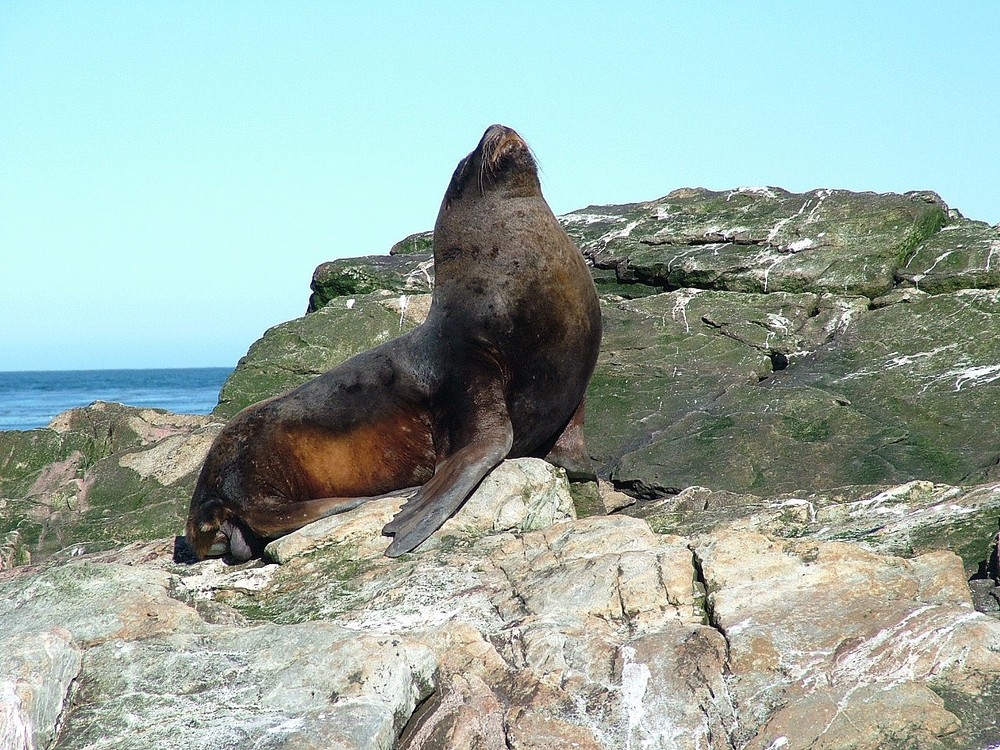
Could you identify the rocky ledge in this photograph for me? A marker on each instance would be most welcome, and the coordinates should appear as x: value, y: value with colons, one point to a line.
x: 517, y: 625
x: 793, y: 543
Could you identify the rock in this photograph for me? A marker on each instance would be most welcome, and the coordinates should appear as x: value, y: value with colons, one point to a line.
x: 97, y: 477
x: 39, y: 461
x: 359, y: 531
x: 674, y: 689
x: 595, y: 633
x: 291, y: 353
x: 604, y: 616
x: 410, y: 273
x: 37, y: 671
x: 612, y: 499
x: 864, y: 677
x: 147, y: 655
x: 91, y: 603
x: 963, y: 255
x: 902, y: 392
x: 677, y: 398
x: 985, y: 596
x: 904, y: 520
x: 667, y: 360
x: 421, y: 242
x: 297, y: 687
x: 609, y: 568
x: 521, y: 494
x: 760, y: 239
x: 470, y: 716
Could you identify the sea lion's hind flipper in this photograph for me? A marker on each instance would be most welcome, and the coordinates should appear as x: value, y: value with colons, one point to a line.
x: 434, y: 503
x: 570, y: 450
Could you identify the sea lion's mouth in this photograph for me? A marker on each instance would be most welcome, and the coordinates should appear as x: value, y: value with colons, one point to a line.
x: 229, y: 539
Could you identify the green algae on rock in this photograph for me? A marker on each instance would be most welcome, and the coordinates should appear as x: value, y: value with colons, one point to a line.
x: 907, y: 391
x: 963, y: 255
x: 761, y: 239
x: 99, y: 477
x: 409, y: 274
x: 418, y: 243
x: 294, y: 352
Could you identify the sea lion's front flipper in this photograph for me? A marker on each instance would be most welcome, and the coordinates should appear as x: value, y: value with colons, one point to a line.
x: 436, y: 501
x: 245, y: 537
x: 489, y: 438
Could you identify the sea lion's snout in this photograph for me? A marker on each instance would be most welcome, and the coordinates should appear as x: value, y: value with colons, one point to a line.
x: 498, y: 141
x: 203, y: 537
x: 203, y: 532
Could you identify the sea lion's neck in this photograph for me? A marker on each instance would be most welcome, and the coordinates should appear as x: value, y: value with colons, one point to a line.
x: 470, y: 232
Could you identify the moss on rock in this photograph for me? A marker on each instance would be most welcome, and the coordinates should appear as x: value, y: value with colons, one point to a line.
x: 292, y: 353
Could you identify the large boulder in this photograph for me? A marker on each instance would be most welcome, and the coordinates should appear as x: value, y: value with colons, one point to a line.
x: 409, y: 273
x: 755, y: 340
x: 904, y: 520
x: 909, y: 390
x: 761, y: 239
x: 963, y: 255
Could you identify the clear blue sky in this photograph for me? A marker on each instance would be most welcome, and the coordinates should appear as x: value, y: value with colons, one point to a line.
x: 172, y: 172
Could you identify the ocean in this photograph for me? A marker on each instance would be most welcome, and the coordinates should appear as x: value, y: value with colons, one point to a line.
x: 31, y: 399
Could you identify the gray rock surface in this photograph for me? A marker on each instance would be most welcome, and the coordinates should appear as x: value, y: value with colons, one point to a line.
x: 908, y: 519
x: 515, y: 626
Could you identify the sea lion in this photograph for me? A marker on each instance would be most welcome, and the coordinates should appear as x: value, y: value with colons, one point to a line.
x: 498, y: 369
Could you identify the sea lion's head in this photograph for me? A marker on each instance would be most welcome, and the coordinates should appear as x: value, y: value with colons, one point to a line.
x: 213, y: 530
x: 502, y: 162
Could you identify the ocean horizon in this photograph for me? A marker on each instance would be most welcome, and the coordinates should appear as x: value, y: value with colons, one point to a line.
x: 30, y: 399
